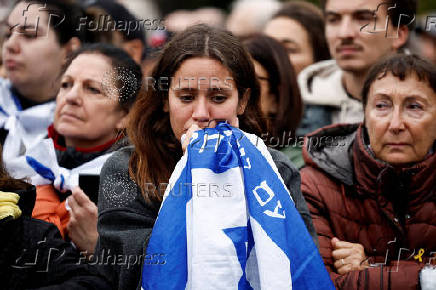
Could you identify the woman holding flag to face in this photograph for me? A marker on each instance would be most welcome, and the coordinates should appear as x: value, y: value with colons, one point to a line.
x: 232, y: 215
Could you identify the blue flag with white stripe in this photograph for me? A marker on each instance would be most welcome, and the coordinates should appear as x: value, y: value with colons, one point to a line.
x: 227, y: 221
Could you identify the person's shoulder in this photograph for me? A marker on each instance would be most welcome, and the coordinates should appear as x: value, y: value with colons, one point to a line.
x: 282, y: 161
x: 35, y: 230
x: 117, y: 189
x: 5, y: 82
x: 323, y: 69
x: 119, y: 159
x: 312, y: 176
x: 295, y: 154
x: 117, y: 167
x: 280, y: 157
x: 123, y: 152
x: 5, y: 86
x: 321, y: 84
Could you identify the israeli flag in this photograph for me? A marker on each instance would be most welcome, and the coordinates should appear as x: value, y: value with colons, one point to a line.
x: 26, y: 127
x: 40, y: 166
x: 228, y: 222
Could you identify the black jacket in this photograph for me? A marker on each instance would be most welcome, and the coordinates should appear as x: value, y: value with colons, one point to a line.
x: 34, y: 255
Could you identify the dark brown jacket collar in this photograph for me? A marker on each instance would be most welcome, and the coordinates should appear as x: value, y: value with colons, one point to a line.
x: 352, y: 163
x: 374, y: 176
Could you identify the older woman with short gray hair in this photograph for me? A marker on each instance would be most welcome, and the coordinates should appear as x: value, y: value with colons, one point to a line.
x: 373, y: 200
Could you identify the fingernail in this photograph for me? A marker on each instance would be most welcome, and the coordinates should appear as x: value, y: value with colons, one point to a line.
x: 67, y: 206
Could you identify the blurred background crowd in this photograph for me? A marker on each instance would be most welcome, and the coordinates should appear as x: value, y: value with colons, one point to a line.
x: 242, y: 17
x: 72, y: 71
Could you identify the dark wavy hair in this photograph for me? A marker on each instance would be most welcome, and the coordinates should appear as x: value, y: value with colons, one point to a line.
x: 312, y: 19
x: 282, y: 81
x: 156, y: 148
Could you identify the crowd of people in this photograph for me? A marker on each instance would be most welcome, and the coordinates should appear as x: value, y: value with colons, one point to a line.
x: 96, y: 124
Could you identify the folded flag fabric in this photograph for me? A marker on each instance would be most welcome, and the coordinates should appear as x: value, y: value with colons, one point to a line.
x: 26, y: 127
x: 227, y: 221
x: 40, y: 165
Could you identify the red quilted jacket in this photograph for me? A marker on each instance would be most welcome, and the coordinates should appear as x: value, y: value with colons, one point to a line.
x: 355, y: 197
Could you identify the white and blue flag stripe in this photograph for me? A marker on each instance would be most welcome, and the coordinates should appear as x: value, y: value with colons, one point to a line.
x: 228, y: 222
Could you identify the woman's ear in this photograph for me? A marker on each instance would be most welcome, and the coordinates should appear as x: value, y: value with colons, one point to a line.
x: 243, y: 102
x: 134, y: 48
x: 122, y: 123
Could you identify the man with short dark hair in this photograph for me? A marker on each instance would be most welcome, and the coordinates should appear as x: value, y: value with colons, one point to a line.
x: 359, y: 33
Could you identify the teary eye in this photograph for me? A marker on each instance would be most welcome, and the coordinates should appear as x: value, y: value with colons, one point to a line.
x: 219, y: 98
x: 186, y: 98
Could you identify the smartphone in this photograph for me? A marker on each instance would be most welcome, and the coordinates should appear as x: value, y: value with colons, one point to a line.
x: 89, y: 183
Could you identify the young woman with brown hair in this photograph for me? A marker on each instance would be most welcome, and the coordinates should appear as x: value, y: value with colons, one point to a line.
x: 203, y: 75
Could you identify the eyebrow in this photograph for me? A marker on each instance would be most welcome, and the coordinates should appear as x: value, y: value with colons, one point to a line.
x: 262, y: 77
x: 331, y: 13
x: 69, y: 77
x: 407, y: 98
x: 191, y: 90
x: 419, y: 97
x: 361, y: 11
x: 288, y: 40
x: 382, y: 95
x: 188, y: 89
x: 354, y: 12
x: 23, y: 27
